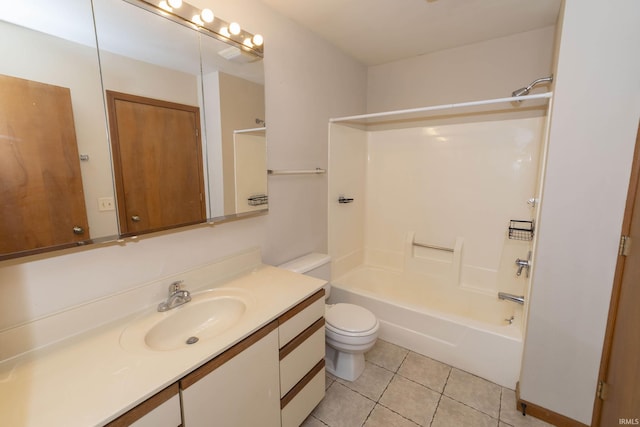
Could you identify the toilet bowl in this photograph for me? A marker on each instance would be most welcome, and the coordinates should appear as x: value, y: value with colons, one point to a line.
x: 350, y: 330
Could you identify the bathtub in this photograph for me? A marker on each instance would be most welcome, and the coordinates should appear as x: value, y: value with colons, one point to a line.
x: 462, y: 328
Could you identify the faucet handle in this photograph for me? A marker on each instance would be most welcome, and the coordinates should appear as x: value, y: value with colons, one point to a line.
x: 523, y: 263
x: 175, y: 286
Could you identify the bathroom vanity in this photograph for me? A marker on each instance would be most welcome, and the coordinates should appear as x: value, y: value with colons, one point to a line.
x: 265, y: 368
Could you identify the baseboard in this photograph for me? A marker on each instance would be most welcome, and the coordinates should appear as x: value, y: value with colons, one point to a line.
x: 544, y: 414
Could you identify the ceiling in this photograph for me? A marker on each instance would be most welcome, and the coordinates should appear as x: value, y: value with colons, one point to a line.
x: 379, y: 31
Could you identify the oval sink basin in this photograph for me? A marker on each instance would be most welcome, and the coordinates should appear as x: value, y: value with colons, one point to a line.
x: 201, y: 320
x: 207, y: 315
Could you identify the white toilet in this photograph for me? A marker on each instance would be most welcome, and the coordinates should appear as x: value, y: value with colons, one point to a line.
x: 350, y: 330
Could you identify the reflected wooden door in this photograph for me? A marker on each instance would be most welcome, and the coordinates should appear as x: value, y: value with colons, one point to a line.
x: 41, y: 197
x: 157, y: 163
x: 619, y: 403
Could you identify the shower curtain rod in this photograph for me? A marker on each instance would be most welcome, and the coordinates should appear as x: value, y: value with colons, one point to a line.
x: 546, y: 95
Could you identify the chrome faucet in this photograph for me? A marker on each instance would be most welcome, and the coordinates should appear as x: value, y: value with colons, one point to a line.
x: 511, y: 297
x: 523, y: 263
x: 177, y: 297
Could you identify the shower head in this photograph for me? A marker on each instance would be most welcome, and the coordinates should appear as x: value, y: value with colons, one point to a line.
x: 520, y: 92
x: 525, y: 90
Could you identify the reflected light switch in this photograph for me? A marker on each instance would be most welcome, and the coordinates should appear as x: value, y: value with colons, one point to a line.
x: 106, y: 204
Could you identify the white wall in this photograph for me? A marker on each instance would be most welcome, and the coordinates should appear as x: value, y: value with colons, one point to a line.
x: 593, y: 127
x: 307, y: 81
x: 490, y: 69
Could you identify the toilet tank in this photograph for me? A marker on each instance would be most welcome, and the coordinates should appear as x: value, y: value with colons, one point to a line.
x: 315, y: 265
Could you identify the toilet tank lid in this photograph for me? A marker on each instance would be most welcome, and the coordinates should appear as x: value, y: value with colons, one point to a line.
x: 306, y: 263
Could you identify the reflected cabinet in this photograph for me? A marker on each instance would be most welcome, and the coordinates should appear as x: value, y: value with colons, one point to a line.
x: 41, y: 192
x: 157, y: 163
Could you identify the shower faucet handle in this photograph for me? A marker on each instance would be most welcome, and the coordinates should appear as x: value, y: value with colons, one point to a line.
x: 524, y: 263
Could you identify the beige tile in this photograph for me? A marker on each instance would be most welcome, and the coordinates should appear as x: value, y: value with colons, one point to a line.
x: 411, y: 400
x: 342, y: 407
x: 382, y: 417
x: 454, y: 414
x: 312, y: 422
x: 510, y: 415
x: 371, y: 383
x: 425, y: 371
x: 474, y: 391
x: 386, y: 355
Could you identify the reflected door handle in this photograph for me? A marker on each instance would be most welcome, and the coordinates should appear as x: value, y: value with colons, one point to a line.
x: 135, y: 218
x: 78, y: 230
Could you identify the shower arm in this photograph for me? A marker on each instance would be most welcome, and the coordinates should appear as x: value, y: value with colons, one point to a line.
x: 540, y: 80
x: 525, y: 90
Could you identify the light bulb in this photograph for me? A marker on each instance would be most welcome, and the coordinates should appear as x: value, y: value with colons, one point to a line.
x: 207, y: 15
x: 196, y: 20
x: 225, y: 32
x: 247, y: 42
x: 175, y: 3
x: 165, y: 6
x: 234, y: 28
x: 258, y: 40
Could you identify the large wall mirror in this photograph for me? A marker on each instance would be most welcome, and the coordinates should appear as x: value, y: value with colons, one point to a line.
x: 134, y: 87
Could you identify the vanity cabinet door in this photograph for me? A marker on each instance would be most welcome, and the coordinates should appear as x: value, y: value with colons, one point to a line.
x: 240, y: 387
x: 161, y: 410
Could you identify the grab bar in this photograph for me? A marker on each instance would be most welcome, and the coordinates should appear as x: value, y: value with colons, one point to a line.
x: 437, y: 248
x: 316, y: 171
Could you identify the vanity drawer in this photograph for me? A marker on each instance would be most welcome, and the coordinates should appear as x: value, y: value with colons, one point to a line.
x: 296, y: 320
x: 300, y: 356
x: 300, y: 401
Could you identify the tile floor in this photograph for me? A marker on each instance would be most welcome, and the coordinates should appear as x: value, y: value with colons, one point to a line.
x: 401, y: 388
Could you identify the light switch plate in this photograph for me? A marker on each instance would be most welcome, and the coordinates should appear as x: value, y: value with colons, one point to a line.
x: 106, y: 204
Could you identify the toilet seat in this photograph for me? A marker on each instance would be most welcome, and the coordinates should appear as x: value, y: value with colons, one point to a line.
x: 350, y: 320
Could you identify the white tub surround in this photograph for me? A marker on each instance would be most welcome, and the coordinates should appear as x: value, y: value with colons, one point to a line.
x: 90, y: 379
x: 452, y: 186
x: 425, y: 243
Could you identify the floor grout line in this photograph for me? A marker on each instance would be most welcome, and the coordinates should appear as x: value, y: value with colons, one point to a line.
x: 398, y: 413
x: 426, y: 386
x: 500, y: 405
x: 402, y: 363
x: 440, y: 399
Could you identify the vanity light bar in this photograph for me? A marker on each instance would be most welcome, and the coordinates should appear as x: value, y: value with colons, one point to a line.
x: 206, y: 22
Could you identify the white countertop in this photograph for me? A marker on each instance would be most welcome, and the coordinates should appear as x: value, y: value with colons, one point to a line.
x: 91, y: 379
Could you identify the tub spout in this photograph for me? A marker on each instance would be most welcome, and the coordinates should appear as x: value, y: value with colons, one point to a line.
x: 511, y: 297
